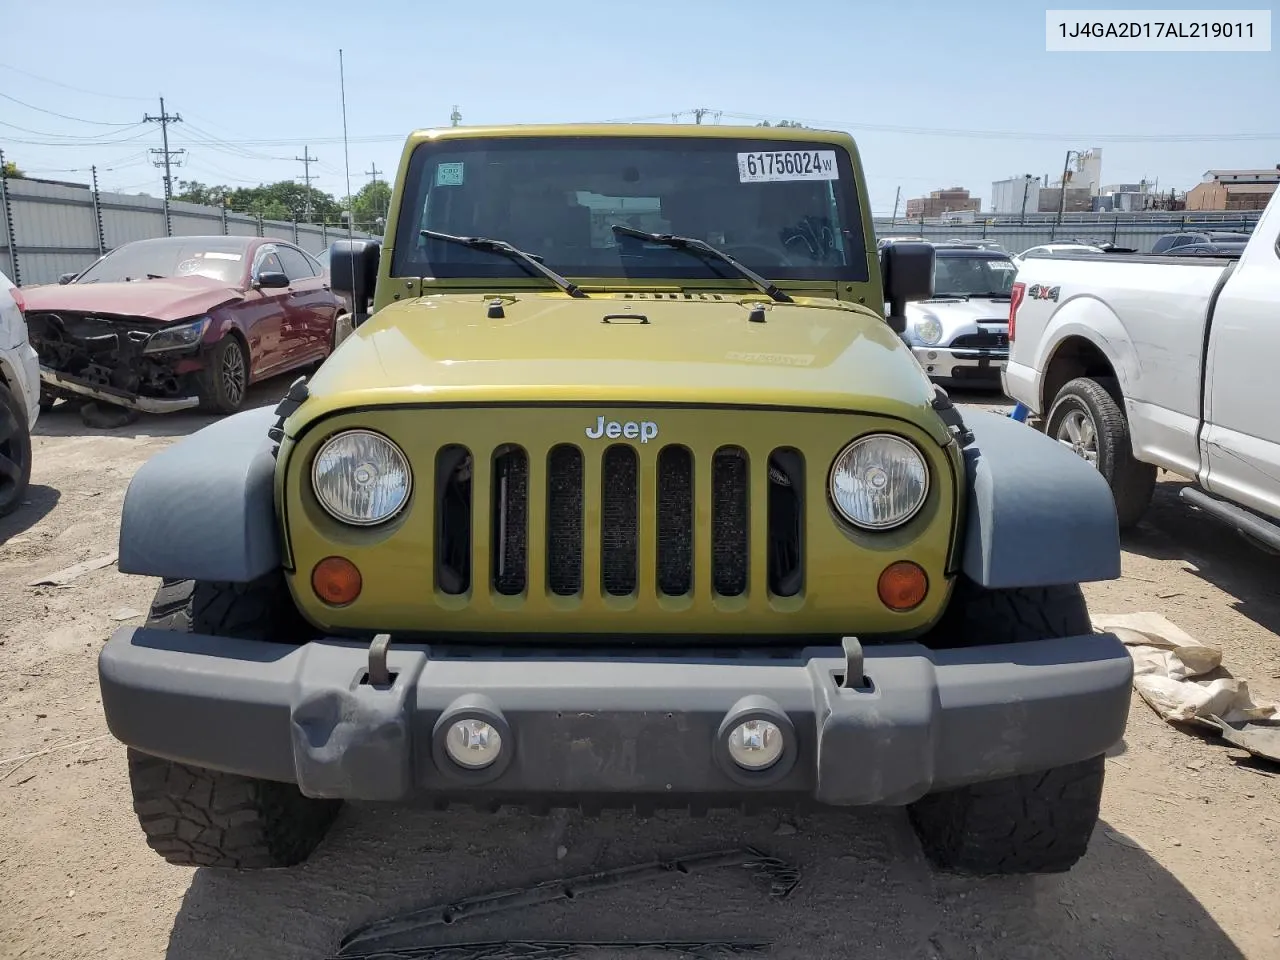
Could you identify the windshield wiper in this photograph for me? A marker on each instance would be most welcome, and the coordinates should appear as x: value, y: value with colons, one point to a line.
x: 701, y: 248
x: 511, y: 253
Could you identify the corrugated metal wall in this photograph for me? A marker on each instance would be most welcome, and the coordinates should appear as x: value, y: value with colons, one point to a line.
x: 56, y: 229
x: 1124, y: 230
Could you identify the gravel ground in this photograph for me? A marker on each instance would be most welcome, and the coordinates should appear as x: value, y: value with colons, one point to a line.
x: 1183, y: 865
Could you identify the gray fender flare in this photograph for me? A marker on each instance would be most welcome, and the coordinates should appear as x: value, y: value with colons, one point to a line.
x: 204, y: 509
x: 1038, y: 515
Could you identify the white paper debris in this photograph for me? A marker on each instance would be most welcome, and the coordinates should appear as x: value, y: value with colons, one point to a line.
x: 1166, y: 661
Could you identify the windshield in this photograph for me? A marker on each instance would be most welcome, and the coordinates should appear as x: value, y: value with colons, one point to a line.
x: 785, y: 210
x: 973, y: 276
x: 211, y: 257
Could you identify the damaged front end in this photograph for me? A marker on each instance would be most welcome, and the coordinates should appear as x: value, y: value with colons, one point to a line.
x: 145, y: 365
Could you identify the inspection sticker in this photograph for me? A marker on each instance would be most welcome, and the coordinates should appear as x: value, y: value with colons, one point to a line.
x: 449, y: 175
x: 219, y: 255
x: 788, y: 165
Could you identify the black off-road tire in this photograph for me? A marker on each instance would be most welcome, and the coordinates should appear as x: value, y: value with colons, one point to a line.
x: 15, y: 451
x: 1035, y: 823
x: 218, y: 394
x: 1132, y: 482
x: 976, y: 616
x: 197, y: 817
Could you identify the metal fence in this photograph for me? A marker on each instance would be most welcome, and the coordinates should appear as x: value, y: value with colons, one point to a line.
x: 48, y: 229
x: 1139, y: 231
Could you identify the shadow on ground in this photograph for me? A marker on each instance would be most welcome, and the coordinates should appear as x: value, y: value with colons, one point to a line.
x: 865, y: 891
x: 38, y: 503
x: 64, y: 419
x: 1174, y: 530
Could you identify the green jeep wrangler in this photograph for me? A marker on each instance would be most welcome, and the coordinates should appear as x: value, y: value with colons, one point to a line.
x: 628, y: 492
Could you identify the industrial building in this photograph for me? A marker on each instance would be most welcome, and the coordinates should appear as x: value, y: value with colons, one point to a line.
x: 1234, y: 189
x: 940, y: 202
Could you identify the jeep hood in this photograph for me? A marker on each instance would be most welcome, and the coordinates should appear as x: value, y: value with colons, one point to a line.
x: 166, y: 300
x: 625, y: 349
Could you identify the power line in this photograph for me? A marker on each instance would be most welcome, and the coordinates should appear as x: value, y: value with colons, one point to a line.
x: 63, y: 116
x: 67, y: 86
x: 96, y: 137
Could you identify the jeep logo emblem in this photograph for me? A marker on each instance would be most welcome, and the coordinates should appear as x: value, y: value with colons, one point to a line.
x: 642, y: 430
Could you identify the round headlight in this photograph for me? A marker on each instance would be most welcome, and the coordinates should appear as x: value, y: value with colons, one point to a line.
x: 879, y: 481
x: 929, y: 330
x: 361, y: 477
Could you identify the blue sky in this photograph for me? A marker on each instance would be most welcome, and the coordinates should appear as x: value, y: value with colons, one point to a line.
x: 254, y: 83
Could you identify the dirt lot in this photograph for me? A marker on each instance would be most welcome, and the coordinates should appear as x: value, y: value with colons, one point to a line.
x: 1183, y: 865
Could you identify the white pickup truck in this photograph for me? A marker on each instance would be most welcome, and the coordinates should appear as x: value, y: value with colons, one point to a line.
x: 1146, y: 362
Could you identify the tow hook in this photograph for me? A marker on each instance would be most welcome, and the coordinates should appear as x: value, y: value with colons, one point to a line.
x: 854, y: 679
x: 379, y: 675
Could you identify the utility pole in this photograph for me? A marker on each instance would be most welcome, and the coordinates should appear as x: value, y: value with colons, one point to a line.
x: 1026, y: 189
x: 455, y: 118
x: 166, y: 155
x: 896, y: 197
x: 166, y: 158
x: 307, y: 160
x: 1062, y: 194
x: 373, y: 172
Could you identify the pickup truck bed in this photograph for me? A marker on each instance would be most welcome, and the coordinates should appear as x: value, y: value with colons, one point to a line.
x: 1182, y: 349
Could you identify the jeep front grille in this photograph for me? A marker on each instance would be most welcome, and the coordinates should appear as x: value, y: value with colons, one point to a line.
x: 635, y: 497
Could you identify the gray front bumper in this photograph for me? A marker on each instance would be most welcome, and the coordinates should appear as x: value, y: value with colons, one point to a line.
x: 613, y: 726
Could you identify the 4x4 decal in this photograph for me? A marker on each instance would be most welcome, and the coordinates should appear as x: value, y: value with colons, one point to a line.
x: 1039, y: 291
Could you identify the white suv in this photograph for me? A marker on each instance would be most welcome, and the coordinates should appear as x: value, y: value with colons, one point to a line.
x: 19, y: 397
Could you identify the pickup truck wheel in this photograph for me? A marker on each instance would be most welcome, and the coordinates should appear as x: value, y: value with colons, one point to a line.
x: 15, y: 452
x: 1086, y: 417
x: 197, y: 817
x: 224, y: 381
x: 1035, y: 823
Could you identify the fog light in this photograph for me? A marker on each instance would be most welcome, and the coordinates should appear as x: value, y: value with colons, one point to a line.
x: 473, y: 744
x: 755, y: 744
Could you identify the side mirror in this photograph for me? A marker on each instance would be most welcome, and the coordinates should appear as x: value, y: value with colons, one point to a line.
x: 353, y: 269
x: 272, y: 279
x: 906, y: 270
x: 67, y: 277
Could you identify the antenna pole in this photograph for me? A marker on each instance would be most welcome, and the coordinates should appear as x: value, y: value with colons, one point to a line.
x: 346, y: 154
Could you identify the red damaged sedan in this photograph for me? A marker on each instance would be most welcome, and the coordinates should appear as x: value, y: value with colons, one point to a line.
x: 179, y: 322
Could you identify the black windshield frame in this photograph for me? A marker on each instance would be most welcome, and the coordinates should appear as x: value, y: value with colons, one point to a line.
x: 410, y: 259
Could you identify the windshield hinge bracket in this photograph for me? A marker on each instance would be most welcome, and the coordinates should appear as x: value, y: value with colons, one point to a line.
x: 949, y: 413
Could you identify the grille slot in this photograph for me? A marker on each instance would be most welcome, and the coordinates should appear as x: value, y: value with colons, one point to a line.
x: 786, y: 522
x: 564, y: 520
x: 619, y: 518
x: 729, y: 519
x: 675, y: 521
x: 453, y: 519
x: 510, y: 523
x: 985, y: 340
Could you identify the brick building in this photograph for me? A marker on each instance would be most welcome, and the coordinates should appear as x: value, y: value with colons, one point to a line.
x: 939, y: 202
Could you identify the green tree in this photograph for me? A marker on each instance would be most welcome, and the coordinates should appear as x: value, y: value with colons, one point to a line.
x: 193, y: 191
x: 285, y: 200
x: 369, y: 206
x: 781, y: 123
x: 12, y: 172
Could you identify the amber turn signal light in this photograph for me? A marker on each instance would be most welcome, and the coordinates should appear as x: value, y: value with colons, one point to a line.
x: 902, y: 585
x: 336, y: 581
